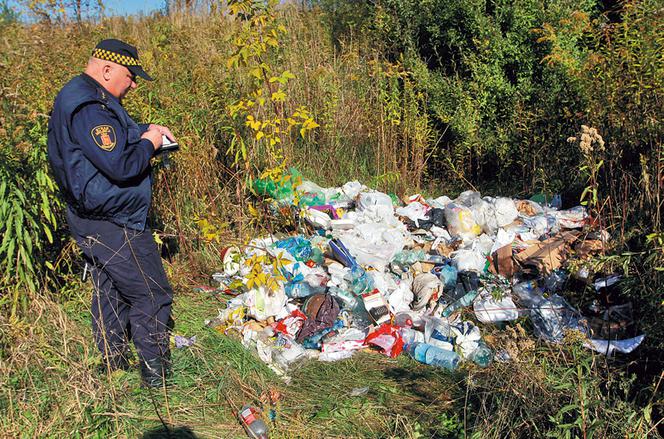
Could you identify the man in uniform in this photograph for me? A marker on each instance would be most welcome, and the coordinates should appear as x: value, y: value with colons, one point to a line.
x: 101, y: 161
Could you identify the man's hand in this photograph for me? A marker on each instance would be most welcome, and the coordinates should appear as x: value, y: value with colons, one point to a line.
x: 154, y: 136
x: 163, y: 130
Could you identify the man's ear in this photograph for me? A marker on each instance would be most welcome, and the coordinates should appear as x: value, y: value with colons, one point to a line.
x: 106, y: 72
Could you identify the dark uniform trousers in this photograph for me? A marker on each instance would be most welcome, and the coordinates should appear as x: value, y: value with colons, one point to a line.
x: 132, y: 297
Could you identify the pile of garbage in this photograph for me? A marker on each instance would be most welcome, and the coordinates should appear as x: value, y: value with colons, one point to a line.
x: 367, y: 270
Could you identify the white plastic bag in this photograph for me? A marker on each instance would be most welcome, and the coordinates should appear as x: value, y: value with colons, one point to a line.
x: 460, y: 222
x: 469, y: 260
x: 573, y: 218
x: 263, y: 304
x: 505, y: 210
x: 485, y: 216
x: 414, y: 211
x: 468, y: 198
x: 503, y: 238
x: 487, y: 309
x: 467, y: 337
x: 400, y: 298
x: 439, y: 202
x: 373, y: 244
x: 367, y: 200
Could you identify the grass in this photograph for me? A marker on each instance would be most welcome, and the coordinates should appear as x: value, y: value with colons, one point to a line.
x: 49, y: 387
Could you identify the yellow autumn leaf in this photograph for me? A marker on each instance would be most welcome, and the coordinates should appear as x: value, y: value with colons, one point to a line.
x: 252, y: 211
x: 278, y: 96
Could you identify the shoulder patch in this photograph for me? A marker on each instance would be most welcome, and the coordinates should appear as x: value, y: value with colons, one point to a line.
x: 104, y: 137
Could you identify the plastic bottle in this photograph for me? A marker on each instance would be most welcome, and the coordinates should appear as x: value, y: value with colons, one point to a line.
x: 481, y: 356
x: 409, y: 257
x: 360, y: 281
x: 528, y: 293
x: 437, y: 332
x: 433, y: 356
x: 434, y: 259
x: 403, y: 319
x: 348, y: 299
x: 406, y: 319
x: 252, y: 423
x: 410, y: 336
x: 448, y: 276
x: 462, y: 302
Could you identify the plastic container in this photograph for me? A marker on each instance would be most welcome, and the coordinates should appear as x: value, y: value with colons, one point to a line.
x: 528, y: 293
x: 481, y: 356
x: 448, y: 275
x: 407, y: 319
x: 464, y: 301
x: 438, y: 332
x: 433, y: 356
x: 410, y: 336
x: 359, y: 280
x: 252, y: 423
x: 347, y: 299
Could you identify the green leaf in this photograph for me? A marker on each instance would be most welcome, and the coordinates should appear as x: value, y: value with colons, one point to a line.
x: 47, y: 232
x: 567, y: 408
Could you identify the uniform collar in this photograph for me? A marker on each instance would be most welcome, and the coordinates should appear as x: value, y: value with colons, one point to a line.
x: 101, y: 91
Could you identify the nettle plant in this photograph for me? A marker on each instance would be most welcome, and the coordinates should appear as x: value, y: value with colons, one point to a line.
x: 264, y: 110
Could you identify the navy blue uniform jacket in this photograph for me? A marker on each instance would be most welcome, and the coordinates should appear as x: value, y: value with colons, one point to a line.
x: 97, y: 155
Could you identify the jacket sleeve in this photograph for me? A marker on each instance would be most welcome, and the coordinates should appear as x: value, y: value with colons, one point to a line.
x: 104, y: 142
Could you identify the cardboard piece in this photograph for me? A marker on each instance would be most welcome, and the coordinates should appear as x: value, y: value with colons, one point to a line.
x: 548, y: 255
x: 588, y: 247
x: 502, y: 262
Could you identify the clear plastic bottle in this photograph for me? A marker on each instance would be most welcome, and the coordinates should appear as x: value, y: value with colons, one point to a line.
x: 403, y: 319
x: 410, y: 336
x: 360, y: 280
x: 252, y: 423
x: 406, y: 319
x: 481, y: 356
x: 433, y: 356
x: 462, y: 302
x: 348, y: 299
x: 434, y: 259
x: 528, y: 293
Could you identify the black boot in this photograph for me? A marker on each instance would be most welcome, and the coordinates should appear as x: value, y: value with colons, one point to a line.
x: 156, y: 371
